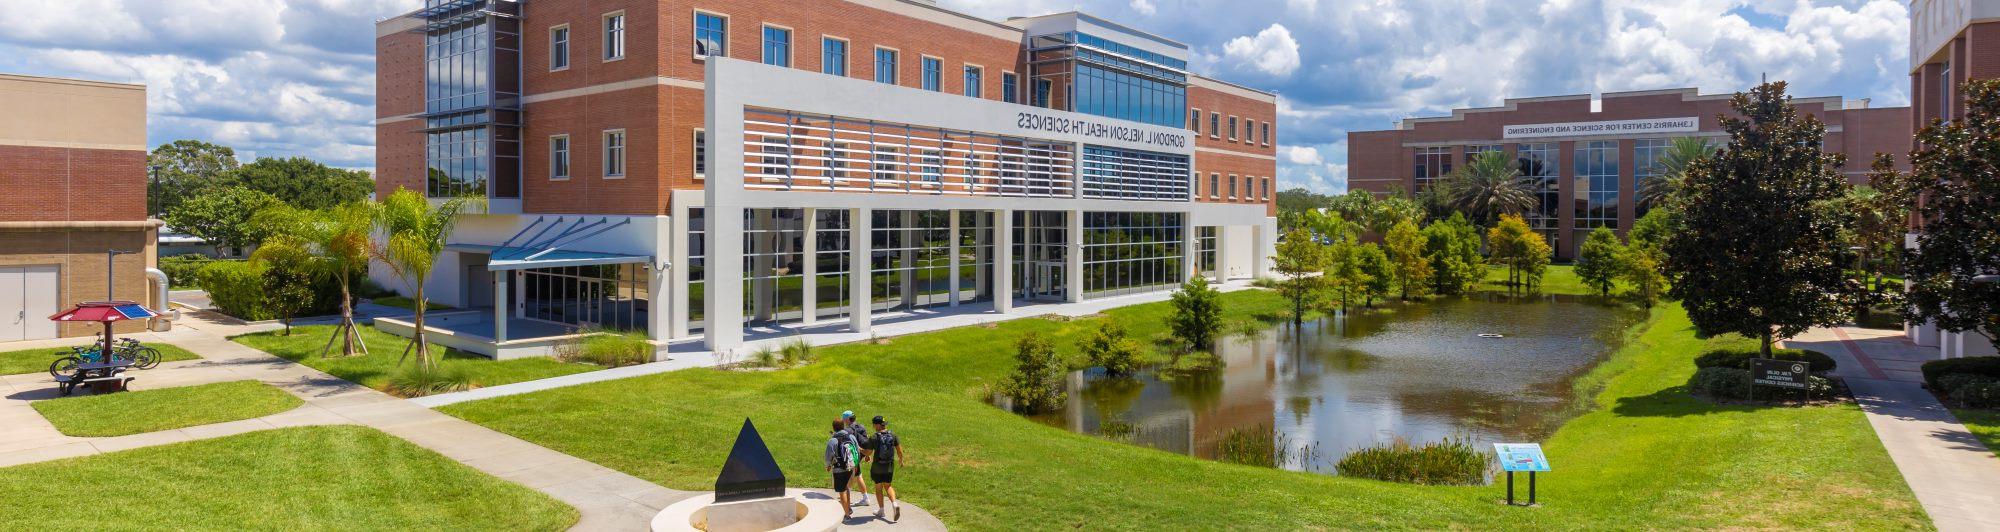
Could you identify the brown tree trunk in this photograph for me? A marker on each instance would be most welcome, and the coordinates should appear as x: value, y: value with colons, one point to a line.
x: 422, y: 346
x: 1767, y: 343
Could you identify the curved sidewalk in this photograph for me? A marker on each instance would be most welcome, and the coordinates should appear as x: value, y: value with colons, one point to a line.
x: 1955, y: 477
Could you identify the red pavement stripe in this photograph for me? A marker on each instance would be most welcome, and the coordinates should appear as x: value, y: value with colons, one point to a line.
x: 1855, y: 348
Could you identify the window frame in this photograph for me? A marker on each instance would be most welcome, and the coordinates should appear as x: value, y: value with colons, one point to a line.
x: 568, y: 43
x: 1010, y: 96
x: 604, y: 153
x: 1215, y: 185
x: 1214, y: 125
x: 924, y: 62
x: 1195, y: 125
x: 764, y: 44
x: 698, y: 151
x: 1232, y: 128
x: 567, y: 158
x: 604, y: 22
x: 846, y: 54
x: 896, y: 64
x: 1233, y: 178
x: 695, y: 24
x: 1264, y: 189
x: 976, y: 89
x: 1266, y: 133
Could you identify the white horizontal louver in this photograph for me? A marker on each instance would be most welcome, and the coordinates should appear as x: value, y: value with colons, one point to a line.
x: 795, y: 151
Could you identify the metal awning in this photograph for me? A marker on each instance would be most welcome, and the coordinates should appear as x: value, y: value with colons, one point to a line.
x: 544, y: 244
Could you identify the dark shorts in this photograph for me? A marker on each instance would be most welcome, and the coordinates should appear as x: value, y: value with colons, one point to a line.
x: 882, y: 474
x: 840, y: 481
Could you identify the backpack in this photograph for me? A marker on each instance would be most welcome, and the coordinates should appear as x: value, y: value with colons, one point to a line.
x: 846, y: 452
x: 885, y: 447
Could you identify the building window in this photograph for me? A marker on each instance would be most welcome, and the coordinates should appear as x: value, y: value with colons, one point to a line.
x: 1214, y: 186
x: 1214, y: 125
x: 1096, y: 88
x: 885, y: 66
x: 614, y: 153
x: 933, y: 74
x: 1043, y: 89
x: 1232, y: 129
x: 1647, y: 155
x: 614, y: 36
x: 1111, y: 173
x: 1538, y: 164
x: 559, y: 157
x: 1266, y: 127
x: 1010, y: 87
x: 1596, y: 184
x: 832, y: 56
x: 1431, y: 164
x: 1232, y: 186
x: 1194, y: 121
x: 1264, y: 189
x: 777, y: 46
x: 711, y: 35
x: 1131, y: 252
x: 700, y: 153
x: 1472, y: 152
x: 559, y: 47
x: 974, y: 77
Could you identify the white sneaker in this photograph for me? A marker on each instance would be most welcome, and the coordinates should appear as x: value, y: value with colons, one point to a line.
x: 878, y: 512
x: 898, y: 505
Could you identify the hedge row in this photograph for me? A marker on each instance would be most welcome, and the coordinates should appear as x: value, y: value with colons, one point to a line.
x: 1740, y: 358
x: 1973, y: 382
x: 237, y: 288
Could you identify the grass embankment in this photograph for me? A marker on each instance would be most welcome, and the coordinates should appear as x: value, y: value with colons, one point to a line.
x: 1559, y: 279
x: 37, y: 360
x: 1984, y: 424
x: 406, y: 303
x: 119, y: 414
x: 306, y: 478
x: 385, y: 352
x: 1649, y: 456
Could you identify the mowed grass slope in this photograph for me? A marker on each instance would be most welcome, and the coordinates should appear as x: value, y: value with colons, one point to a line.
x: 1984, y: 424
x: 119, y: 414
x: 385, y: 354
x: 1649, y: 457
x: 305, y: 478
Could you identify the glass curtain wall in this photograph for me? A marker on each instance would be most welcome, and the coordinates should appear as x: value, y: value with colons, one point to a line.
x: 611, y: 296
x: 1431, y: 164
x: 1205, y: 255
x: 1113, y: 173
x: 830, y: 284
x: 911, y: 259
x: 1596, y: 182
x: 1093, y: 75
x: 697, y: 264
x: 1041, y: 255
x: 773, y: 264
x: 975, y: 256
x: 472, y: 87
x: 1647, y: 155
x: 1538, y: 163
x: 1130, y: 252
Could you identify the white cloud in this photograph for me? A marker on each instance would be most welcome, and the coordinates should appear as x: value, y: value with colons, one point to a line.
x: 1272, y: 51
x: 1303, y: 155
x: 1144, y: 7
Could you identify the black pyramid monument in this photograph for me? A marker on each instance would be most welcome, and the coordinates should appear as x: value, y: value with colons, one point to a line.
x: 750, y: 473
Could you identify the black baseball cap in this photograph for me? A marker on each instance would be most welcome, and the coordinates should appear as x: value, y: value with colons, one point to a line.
x: 879, y: 421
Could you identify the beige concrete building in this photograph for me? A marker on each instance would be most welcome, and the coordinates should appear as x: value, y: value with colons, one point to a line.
x: 72, y: 187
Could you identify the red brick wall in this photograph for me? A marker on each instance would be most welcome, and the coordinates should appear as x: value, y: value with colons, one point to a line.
x: 1248, y: 156
x: 585, y: 119
x: 1377, y: 162
x: 399, y: 92
x: 71, y: 184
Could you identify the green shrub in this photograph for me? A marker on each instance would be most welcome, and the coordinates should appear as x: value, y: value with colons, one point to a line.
x: 1740, y: 358
x: 184, y: 270
x: 796, y: 352
x: 414, y: 380
x: 1451, y: 462
x: 237, y: 288
x: 613, y: 349
x: 1256, y: 446
x: 1951, y: 384
x: 1110, y: 349
x: 765, y: 357
x: 1937, y: 369
x: 1720, y: 383
x: 1036, y: 385
x: 1197, y: 313
x: 1979, y: 395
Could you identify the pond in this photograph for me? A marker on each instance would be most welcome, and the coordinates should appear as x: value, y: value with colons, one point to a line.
x: 1421, y: 372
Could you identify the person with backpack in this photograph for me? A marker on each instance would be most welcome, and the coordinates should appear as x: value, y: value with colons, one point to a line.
x: 860, y: 436
x: 842, y: 454
x: 887, y: 451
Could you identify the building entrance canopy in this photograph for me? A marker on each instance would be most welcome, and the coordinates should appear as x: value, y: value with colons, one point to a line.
x: 545, y: 242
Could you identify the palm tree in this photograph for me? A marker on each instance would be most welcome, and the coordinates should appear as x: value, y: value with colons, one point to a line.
x: 332, y: 243
x: 414, y: 234
x: 1671, y: 170
x: 1488, y: 186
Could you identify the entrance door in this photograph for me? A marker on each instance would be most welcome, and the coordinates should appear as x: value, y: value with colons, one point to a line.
x: 1046, y: 283
x: 27, y: 299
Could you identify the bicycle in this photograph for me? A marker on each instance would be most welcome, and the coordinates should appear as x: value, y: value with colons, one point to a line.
x: 128, y: 349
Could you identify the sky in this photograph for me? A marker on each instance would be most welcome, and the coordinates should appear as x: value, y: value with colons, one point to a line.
x: 279, y: 78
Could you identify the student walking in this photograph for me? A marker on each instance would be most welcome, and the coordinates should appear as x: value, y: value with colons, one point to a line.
x: 842, y: 456
x: 860, y: 436
x: 887, y: 451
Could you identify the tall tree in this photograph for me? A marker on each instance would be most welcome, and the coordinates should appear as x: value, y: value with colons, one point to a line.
x: 1395, y: 209
x: 415, y: 231
x: 1682, y: 153
x: 1508, y: 244
x: 1293, y: 202
x: 1345, y: 280
x: 1600, y: 261
x: 1378, y: 273
x: 1406, y: 253
x: 182, y: 169
x: 1760, y: 254
x: 222, y: 216
x: 1452, y: 246
x: 332, y: 243
x: 1300, y: 260
x: 1882, y: 213
x: 304, y: 183
x: 1954, y: 171
x: 1489, y: 186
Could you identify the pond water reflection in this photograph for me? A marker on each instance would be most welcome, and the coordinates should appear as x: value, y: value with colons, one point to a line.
x: 1420, y: 372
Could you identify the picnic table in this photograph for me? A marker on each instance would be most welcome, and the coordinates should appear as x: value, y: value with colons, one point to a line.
x: 105, y: 376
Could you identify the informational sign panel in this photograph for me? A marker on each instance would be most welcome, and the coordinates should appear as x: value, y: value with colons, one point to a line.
x: 1605, y: 127
x: 1779, y: 373
x: 1521, y: 457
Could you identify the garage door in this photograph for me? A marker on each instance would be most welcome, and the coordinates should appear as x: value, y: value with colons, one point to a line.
x: 27, y: 299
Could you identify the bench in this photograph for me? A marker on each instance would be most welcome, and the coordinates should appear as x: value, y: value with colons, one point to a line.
x: 115, y: 382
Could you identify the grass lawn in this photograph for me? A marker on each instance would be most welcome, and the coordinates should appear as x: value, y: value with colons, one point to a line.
x: 1984, y: 424
x: 168, y: 408
x: 306, y: 478
x: 385, y: 350
x: 1558, y: 279
x: 37, y: 360
x: 1649, y: 456
x: 403, y: 302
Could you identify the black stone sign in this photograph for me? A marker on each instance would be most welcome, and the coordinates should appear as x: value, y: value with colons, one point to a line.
x: 1779, y: 373
x: 750, y: 472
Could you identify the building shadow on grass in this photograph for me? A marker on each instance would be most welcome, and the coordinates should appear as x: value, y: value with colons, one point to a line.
x: 1674, y: 402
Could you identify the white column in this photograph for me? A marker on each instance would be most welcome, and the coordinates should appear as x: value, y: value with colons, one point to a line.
x: 520, y: 302
x: 1222, y: 253
x: 1264, y: 245
x: 1003, y: 261
x: 723, y: 302
x: 500, y: 305
x: 953, y: 276
x: 677, y: 290
x: 861, y: 248
x: 1190, y: 247
x: 809, y: 283
x: 1073, y: 267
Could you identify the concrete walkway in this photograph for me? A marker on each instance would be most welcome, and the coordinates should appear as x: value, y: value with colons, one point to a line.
x: 1955, y: 477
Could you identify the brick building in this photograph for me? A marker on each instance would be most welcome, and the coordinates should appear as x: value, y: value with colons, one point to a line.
x: 1591, y: 155
x: 673, y: 166
x: 73, y: 169
x: 1951, y: 42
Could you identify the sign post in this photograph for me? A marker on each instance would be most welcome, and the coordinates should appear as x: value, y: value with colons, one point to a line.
x: 1526, y: 457
x: 1788, y: 374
